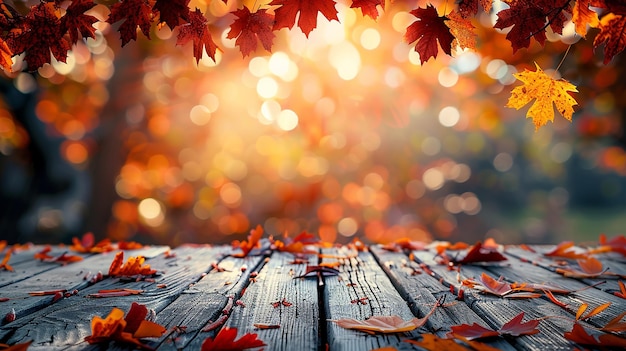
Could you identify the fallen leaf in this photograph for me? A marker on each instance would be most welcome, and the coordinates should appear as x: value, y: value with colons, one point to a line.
x: 547, y: 92
x: 133, y: 267
x: 266, y: 326
x: 614, y: 325
x: 514, y: 327
x: 115, y: 293
x: 297, y: 245
x: 405, y: 243
x: 16, y: 347
x: 430, y: 32
x: 127, y: 330
x: 622, y: 292
x: 432, y: 342
x: 285, y: 15
x: 615, y: 244
x: 579, y: 335
x: 129, y: 245
x: 384, y: 324
x: 479, y: 254
x: 566, y: 249
x: 87, y: 244
x: 247, y: 245
x: 495, y: 287
x: 5, y: 262
x: 63, y: 258
x: 314, y: 271
x: 226, y: 340
x: 593, y: 312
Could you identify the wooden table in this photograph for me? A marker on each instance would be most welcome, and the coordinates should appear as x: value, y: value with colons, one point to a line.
x: 200, y: 284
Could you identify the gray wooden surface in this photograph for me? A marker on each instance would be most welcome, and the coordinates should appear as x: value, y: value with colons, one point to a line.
x: 268, y: 294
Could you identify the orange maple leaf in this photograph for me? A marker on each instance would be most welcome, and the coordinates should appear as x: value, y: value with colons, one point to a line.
x: 127, y: 329
x: 133, y: 266
x: 514, y: 327
x: 612, y: 28
x: 579, y: 335
x: 253, y: 241
x: 565, y: 249
x: 582, y: 16
x: 546, y: 91
x: 462, y: 30
x: 227, y: 340
x: 87, y: 244
x: 5, y: 262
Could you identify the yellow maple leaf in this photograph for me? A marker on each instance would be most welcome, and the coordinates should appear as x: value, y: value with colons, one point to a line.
x: 546, y: 91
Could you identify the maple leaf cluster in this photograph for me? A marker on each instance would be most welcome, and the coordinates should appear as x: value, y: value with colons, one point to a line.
x: 51, y: 27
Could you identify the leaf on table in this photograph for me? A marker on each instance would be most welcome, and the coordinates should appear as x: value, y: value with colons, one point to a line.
x: 133, y: 13
x: 432, y: 342
x: 405, y: 243
x: 5, y: 262
x: 493, y: 286
x: 129, y: 245
x: 385, y: 324
x: 368, y: 7
x: 172, y: 12
x: 566, y: 249
x: 591, y: 268
x: 115, y: 292
x: 481, y: 254
x: 247, y: 245
x: 556, y: 301
x: 539, y: 287
x: 583, y: 307
x: 197, y: 31
x: 38, y: 35
x: 127, y: 330
x: 87, y: 244
x: 285, y: 15
x: 622, y: 288
x: 226, y: 340
x: 579, y: 335
x: 583, y: 16
x: 16, y: 347
x: 527, y: 19
x: 612, y: 29
x: 134, y: 266
x: 430, y: 31
x: 462, y: 30
x: 547, y: 92
x: 615, y: 244
x: 314, y: 271
x: 63, y: 258
x: 296, y: 245
x: 76, y: 22
x: 615, y: 325
x: 250, y: 26
x: 514, y: 327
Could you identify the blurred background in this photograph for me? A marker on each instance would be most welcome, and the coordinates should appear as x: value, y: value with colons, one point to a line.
x: 343, y: 134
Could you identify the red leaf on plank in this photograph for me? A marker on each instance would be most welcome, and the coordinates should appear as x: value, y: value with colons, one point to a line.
x: 368, y: 7
x: 496, y: 287
x: 529, y: 18
x: 5, y: 262
x: 88, y: 244
x: 514, y: 327
x: 385, y: 324
x: 134, y: 13
x: 17, y: 347
x: 172, y: 12
x: 297, y: 245
x: 615, y: 244
x: 253, y: 241
x: 285, y: 15
x: 428, y: 30
x: 580, y: 336
x: 197, y: 30
x: 248, y: 27
x: 133, y: 267
x: 314, y: 271
x: 622, y: 288
x: 226, y: 340
x: 76, y: 22
x: 479, y: 253
x: 38, y: 35
x: 614, y: 324
x: 566, y: 249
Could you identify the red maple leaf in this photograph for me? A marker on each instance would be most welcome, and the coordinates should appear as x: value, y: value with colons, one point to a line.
x: 39, y: 34
x: 172, y: 11
x: 579, y: 335
x: 480, y: 253
x: 76, y: 22
x: 285, y: 15
x: 135, y: 13
x: 368, y: 7
x: 429, y: 29
x: 530, y: 18
x: 612, y: 35
x: 469, y: 8
x: 225, y: 341
x: 197, y: 30
x: 514, y: 327
x: 250, y: 26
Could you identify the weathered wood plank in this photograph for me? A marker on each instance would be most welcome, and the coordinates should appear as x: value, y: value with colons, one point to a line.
x: 204, y: 302
x: 276, y: 298
x: 422, y: 290
x: 69, y: 277
x: 361, y: 279
x: 496, y: 311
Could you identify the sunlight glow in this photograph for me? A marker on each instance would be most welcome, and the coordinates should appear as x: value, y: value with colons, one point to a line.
x: 345, y: 58
x: 370, y: 39
x: 267, y: 87
x: 287, y: 120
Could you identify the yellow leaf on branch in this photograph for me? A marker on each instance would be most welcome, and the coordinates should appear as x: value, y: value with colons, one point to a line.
x: 546, y: 91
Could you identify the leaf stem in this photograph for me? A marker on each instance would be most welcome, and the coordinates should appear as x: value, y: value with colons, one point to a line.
x: 563, y: 59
